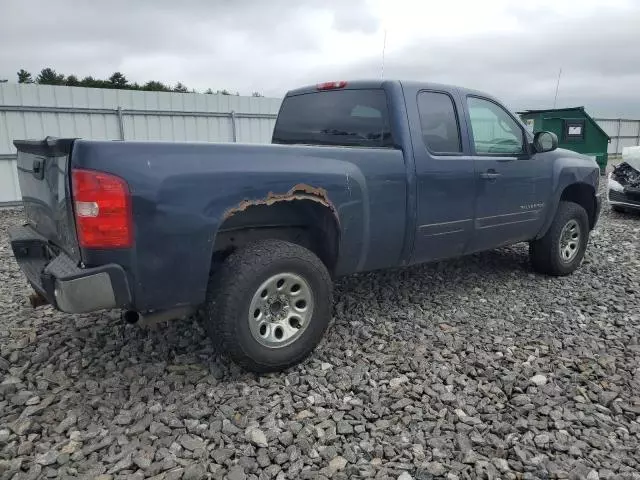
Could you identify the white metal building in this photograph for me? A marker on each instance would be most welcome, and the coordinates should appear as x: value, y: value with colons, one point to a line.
x: 35, y: 111
x: 623, y: 133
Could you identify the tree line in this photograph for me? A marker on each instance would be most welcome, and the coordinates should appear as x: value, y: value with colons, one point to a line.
x: 48, y: 76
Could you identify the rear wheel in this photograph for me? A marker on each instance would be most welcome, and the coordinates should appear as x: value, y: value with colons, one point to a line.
x: 268, y: 305
x: 561, y: 250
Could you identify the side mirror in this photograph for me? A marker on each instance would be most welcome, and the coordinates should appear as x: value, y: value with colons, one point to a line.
x: 545, y: 142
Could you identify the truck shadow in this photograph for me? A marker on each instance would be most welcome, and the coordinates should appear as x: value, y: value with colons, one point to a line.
x: 184, y: 341
x: 511, y: 260
x: 182, y: 345
x: 102, y: 348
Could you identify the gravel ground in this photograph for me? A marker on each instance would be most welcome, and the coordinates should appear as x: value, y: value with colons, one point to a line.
x: 473, y: 368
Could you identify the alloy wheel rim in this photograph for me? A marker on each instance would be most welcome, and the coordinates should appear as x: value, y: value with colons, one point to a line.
x: 280, y: 310
x: 570, y: 241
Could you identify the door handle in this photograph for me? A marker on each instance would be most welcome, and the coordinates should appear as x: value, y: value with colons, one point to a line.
x: 490, y: 175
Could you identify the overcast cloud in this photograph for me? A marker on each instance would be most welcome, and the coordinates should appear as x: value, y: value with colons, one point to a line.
x: 511, y: 49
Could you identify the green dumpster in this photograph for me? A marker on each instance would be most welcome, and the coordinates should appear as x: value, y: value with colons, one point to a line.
x: 576, y: 131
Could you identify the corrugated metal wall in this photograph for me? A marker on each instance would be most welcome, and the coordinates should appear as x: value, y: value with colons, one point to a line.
x: 623, y: 133
x: 35, y: 111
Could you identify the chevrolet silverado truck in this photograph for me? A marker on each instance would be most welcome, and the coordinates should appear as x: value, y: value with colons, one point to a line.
x: 360, y: 176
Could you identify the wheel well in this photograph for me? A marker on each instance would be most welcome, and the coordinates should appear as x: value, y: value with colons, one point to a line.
x: 584, y: 195
x: 304, y: 222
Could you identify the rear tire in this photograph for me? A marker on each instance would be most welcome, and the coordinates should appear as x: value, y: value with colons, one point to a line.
x: 562, y: 248
x: 268, y: 305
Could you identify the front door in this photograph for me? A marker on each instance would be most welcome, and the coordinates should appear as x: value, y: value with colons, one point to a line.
x: 445, y: 178
x: 512, y: 184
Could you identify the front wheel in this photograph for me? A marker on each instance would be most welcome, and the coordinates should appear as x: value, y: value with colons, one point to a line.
x: 269, y: 305
x: 562, y: 248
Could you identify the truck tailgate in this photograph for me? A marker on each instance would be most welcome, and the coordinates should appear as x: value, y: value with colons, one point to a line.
x: 43, y: 174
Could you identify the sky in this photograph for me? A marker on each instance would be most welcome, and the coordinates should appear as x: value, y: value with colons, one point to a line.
x: 512, y: 49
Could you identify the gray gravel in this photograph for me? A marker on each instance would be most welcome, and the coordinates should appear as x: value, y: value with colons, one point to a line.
x: 473, y: 368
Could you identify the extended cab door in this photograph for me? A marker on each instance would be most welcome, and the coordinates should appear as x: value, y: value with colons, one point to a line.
x: 512, y: 183
x: 445, y: 175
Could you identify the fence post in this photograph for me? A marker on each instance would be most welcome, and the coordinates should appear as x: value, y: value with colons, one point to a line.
x: 120, y: 124
x: 618, y: 152
x: 638, y: 139
x: 234, y: 133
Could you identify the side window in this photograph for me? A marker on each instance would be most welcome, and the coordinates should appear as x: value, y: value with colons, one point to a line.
x: 493, y: 129
x: 439, y: 122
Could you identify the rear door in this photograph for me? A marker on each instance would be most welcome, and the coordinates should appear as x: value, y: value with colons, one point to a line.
x: 43, y: 173
x: 445, y: 177
x: 512, y: 184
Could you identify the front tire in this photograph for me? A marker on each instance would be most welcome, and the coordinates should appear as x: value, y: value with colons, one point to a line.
x: 268, y: 305
x: 562, y: 248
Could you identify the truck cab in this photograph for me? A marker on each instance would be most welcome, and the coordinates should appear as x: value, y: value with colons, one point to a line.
x: 476, y: 178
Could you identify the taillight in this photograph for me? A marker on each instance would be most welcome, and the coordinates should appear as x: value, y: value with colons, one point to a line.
x: 102, y: 209
x: 331, y: 85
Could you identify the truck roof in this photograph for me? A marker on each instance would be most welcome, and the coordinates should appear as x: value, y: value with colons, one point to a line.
x: 361, y: 84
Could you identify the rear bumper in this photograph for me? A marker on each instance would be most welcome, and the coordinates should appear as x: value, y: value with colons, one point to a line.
x: 61, y: 282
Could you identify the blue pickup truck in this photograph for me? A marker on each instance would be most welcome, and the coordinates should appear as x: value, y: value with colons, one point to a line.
x: 360, y: 176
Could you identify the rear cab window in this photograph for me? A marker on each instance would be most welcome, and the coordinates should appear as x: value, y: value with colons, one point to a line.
x: 349, y: 118
x: 439, y: 123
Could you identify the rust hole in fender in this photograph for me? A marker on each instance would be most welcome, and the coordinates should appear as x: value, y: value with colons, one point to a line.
x: 300, y: 191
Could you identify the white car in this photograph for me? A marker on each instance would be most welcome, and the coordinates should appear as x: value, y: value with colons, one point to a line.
x: 624, y: 182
